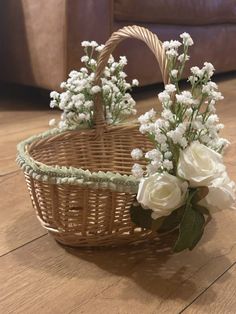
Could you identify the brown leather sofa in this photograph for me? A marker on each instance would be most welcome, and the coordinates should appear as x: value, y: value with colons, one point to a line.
x: 40, y: 40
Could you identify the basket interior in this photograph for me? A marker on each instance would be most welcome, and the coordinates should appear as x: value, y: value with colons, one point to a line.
x: 81, y: 150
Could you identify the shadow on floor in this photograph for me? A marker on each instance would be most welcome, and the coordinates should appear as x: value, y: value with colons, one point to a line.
x: 150, y: 266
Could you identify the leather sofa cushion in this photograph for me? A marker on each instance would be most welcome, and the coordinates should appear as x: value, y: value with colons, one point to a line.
x: 181, y: 12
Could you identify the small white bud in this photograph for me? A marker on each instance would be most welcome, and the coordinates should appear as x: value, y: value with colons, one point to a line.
x: 52, y: 122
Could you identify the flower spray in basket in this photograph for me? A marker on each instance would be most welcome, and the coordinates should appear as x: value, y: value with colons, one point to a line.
x: 77, y: 102
x: 185, y: 180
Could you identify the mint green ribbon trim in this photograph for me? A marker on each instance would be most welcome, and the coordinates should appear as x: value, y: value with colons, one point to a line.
x: 71, y: 175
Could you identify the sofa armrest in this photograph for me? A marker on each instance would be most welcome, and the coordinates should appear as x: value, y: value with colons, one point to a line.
x: 40, y: 40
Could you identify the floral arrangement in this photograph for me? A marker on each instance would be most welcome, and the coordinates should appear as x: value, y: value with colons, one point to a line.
x: 77, y: 100
x: 184, y: 181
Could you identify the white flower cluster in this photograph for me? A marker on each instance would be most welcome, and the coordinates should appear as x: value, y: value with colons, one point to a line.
x: 77, y: 101
x: 184, y: 170
x: 186, y: 117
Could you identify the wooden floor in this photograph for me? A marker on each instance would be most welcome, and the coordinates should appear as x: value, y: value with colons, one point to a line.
x: 39, y: 276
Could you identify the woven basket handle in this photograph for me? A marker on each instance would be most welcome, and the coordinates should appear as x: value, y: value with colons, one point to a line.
x: 137, y: 32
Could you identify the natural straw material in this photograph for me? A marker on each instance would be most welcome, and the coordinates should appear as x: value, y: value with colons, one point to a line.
x: 79, y: 180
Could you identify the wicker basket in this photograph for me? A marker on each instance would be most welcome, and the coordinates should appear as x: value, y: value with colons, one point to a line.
x: 79, y: 180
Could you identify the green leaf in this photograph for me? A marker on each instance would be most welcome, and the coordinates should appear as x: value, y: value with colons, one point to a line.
x: 191, y: 229
x: 172, y: 221
x: 202, y: 209
x: 202, y: 192
x: 141, y: 217
x: 151, y: 137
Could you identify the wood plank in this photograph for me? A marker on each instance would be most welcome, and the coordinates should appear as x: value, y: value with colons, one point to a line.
x: 17, y: 218
x: 42, y: 277
x: 11, y: 134
x: 166, y: 283
x: 219, y: 298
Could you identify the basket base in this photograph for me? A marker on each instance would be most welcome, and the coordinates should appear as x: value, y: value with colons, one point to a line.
x: 103, y: 240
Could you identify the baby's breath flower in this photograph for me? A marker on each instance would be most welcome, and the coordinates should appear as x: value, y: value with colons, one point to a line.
x: 123, y: 60
x: 211, y: 106
x: 93, y: 43
x: 196, y: 71
x: 95, y: 89
x: 85, y: 59
x: 184, y: 98
x: 164, y: 147
x: 167, y: 164
x: 136, y: 154
x: 154, y: 154
x: 183, y: 142
x: 167, y: 115
x: 62, y: 125
x: 209, y: 68
x: 174, y: 73
x: 164, y: 97
x: 189, y: 112
x: 168, y: 155
x: 145, y: 118
x: 172, y: 44
x: 99, y: 48
x: 111, y: 60
x: 52, y: 122
x: 183, y: 58
x: 152, y: 168
x: 216, y: 96
x: 135, y: 82
x: 170, y: 88
x: 192, y: 79
x: 187, y: 40
x: 63, y: 85
x: 166, y: 45
x: 53, y: 103
x: 85, y: 43
x: 92, y: 62
x: 54, y: 94
x: 122, y: 75
x: 137, y: 171
x: 172, y: 53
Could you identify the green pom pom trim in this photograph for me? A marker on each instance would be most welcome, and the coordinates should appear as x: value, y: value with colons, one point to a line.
x: 70, y: 175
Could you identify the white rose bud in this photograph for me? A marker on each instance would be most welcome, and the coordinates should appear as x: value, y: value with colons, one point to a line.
x: 221, y: 195
x: 162, y: 193
x: 200, y: 165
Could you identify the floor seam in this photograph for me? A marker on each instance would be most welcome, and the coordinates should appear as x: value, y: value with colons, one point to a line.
x: 204, y: 290
x: 21, y: 246
x: 9, y: 173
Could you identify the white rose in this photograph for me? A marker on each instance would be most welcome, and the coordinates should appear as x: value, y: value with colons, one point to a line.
x: 200, y: 165
x: 221, y: 194
x: 162, y: 193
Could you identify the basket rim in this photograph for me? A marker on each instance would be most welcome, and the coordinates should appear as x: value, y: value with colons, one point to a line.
x: 71, y: 175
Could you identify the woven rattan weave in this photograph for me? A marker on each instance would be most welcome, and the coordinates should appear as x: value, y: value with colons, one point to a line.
x: 80, y: 181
